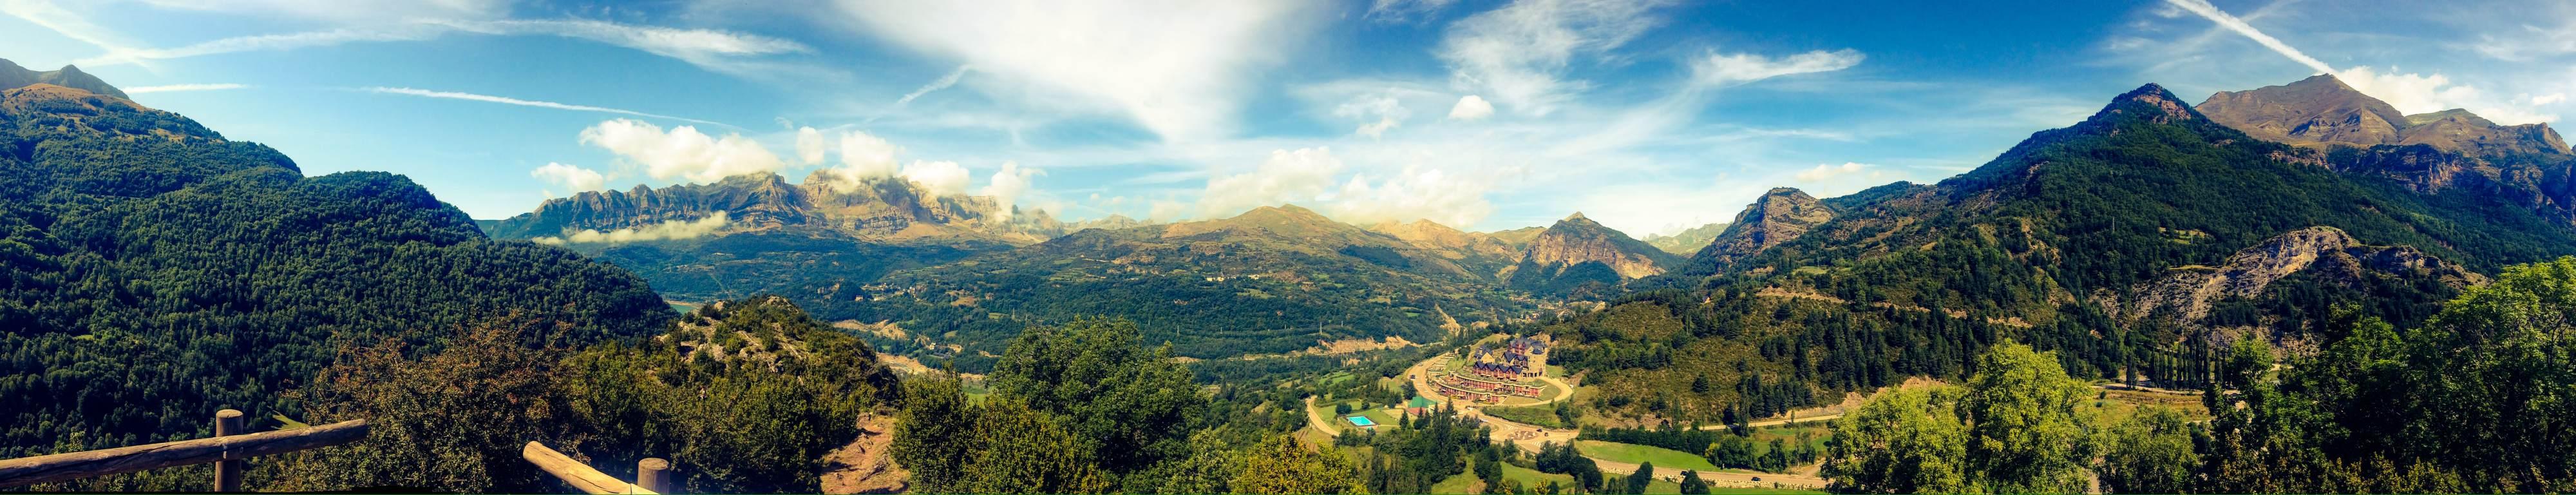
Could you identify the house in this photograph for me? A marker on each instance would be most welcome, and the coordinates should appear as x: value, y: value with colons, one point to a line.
x: 1419, y: 406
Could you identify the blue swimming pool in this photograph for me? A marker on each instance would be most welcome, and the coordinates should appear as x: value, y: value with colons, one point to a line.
x: 1361, y: 421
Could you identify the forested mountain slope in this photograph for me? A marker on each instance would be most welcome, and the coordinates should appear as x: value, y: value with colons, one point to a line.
x: 152, y: 272
x: 2034, y: 246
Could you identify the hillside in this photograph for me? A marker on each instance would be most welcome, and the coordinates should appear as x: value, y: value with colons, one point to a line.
x: 156, y: 272
x: 1274, y: 279
x: 1687, y: 241
x: 2036, y: 246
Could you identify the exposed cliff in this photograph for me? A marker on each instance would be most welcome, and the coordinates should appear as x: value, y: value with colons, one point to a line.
x: 2187, y: 294
x: 1779, y: 216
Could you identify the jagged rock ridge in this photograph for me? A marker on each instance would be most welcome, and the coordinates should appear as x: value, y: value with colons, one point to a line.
x: 878, y: 210
x: 1779, y: 216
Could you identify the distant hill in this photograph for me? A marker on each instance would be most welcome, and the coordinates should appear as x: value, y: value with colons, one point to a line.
x: 13, y: 76
x: 1687, y: 241
x: 155, y: 272
x: 1274, y: 279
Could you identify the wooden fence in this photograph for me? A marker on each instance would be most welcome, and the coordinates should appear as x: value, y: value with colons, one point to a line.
x: 232, y: 446
x: 228, y: 450
x: 652, y: 475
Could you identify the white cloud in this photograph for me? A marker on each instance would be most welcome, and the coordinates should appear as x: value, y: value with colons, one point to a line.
x: 573, y: 179
x: 1518, y: 53
x: 942, y: 83
x: 1827, y: 171
x: 1400, y: 11
x: 1304, y: 175
x: 941, y: 178
x: 1176, y: 67
x: 1738, y: 68
x: 671, y: 230
x: 683, y: 153
x: 1471, y: 107
x: 865, y: 156
x: 2547, y: 99
x: 451, y: 95
x: 1008, y: 185
x: 1382, y: 107
x: 1412, y: 194
x: 810, y: 145
x: 183, y: 87
x: 702, y: 47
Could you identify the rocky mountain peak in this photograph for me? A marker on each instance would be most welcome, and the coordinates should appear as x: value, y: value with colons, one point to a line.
x: 1577, y: 240
x: 14, y: 76
x: 1779, y: 216
x: 2322, y: 110
x: 2159, y: 105
x: 888, y: 209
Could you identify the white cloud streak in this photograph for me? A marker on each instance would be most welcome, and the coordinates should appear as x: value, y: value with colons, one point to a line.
x: 573, y: 179
x: 1738, y: 68
x: 1518, y: 54
x: 683, y: 153
x: 451, y: 95
x: 1471, y: 107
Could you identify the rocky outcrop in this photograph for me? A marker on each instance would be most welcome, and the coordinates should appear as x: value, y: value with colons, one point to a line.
x: 1779, y: 216
x: 1577, y: 240
x: 2186, y: 295
x: 879, y: 209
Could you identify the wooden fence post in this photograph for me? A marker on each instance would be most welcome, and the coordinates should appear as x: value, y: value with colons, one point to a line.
x: 654, y: 474
x: 228, y: 473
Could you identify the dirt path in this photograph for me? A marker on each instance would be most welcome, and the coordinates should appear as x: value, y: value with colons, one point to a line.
x: 863, y: 466
x: 1317, y: 418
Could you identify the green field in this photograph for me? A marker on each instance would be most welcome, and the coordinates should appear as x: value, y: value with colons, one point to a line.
x: 1639, y: 454
x: 1536, y: 415
x: 1762, y: 491
x: 1528, y: 478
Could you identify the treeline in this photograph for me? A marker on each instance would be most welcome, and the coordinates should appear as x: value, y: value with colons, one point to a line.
x: 1085, y: 408
x: 1730, y: 447
x: 2475, y: 400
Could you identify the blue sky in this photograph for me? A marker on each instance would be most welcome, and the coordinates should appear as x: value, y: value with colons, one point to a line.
x: 1647, y: 116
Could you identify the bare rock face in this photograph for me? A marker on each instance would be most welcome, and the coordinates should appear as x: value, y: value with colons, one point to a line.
x: 1577, y: 240
x: 2187, y: 295
x: 880, y: 209
x: 1779, y: 216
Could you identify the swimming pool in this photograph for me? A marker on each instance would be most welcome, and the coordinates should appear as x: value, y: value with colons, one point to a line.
x: 1361, y: 421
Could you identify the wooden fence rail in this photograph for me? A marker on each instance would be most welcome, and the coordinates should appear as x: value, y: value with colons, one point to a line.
x: 227, y: 450
x: 652, y: 476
